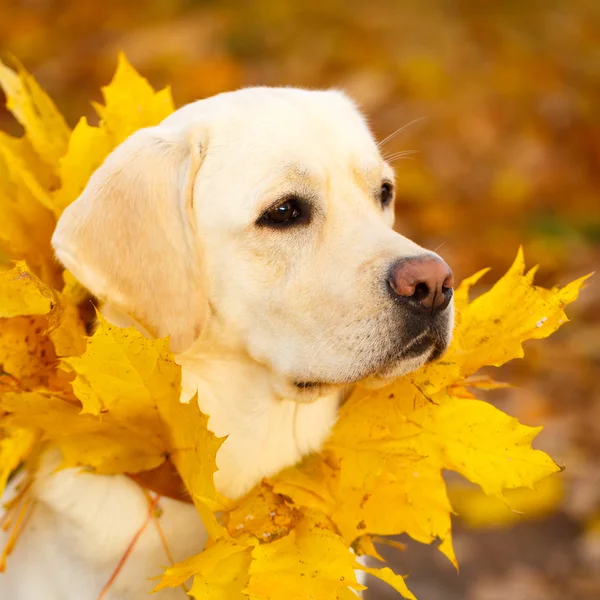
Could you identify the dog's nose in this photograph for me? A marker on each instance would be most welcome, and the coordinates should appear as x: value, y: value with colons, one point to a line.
x: 423, y: 283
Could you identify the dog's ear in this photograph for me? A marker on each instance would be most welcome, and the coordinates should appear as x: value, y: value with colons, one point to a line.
x: 130, y: 238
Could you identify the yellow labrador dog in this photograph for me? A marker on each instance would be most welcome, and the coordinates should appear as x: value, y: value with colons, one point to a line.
x: 254, y: 228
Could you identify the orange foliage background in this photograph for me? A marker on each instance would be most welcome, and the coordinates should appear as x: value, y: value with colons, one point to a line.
x: 507, y: 152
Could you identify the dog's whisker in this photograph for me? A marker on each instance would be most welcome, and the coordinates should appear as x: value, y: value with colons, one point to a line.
x: 400, y: 156
x: 399, y: 153
x: 414, y: 341
x: 399, y: 131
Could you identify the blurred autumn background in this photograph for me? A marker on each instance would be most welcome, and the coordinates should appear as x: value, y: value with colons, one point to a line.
x: 506, y: 152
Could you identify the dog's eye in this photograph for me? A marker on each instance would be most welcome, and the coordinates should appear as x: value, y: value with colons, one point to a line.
x: 288, y: 212
x: 387, y: 194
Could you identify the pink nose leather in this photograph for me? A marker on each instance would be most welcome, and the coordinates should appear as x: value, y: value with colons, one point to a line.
x: 426, y: 282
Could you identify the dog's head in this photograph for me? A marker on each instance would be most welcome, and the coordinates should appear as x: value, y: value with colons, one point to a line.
x: 267, y: 214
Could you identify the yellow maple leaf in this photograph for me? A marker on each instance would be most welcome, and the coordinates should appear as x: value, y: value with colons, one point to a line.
x: 131, y: 380
x: 310, y: 562
x: 44, y: 126
x: 29, y: 161
x: 227, y: 582
x: 87, y: 149
x: 116, y: 373
x: 133, y: 383
x: 26, y: 223
x: 486, y: 335
x: 84, y: 440
x: 35, y: 321
x: 66, y: 330
x: 24, y: 294
x: 391, y: 444
x: 310, y: 485
x: 19, y: 165
x: 479, y: 510
x: 131, y: 103
x: 417, y: 492
x: 21, y: 293
x: 15, y: 445
x: 389, y: 577
x: 27, y: 356
x: 365, y: 546
x: 193, y: 449
x: 481, y: 443
x: 262, y: 516
x: 220, y: 572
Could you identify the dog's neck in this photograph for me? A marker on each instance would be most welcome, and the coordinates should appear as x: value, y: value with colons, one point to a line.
x: 267, y: 429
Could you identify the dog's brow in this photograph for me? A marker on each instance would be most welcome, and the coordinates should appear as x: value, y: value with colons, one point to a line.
x: 297, y: 172
x: 387, y: 171
x: 365, y: 175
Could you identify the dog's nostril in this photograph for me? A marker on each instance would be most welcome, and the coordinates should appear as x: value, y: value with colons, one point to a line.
x: 448, y: 282
x: 421, y: 291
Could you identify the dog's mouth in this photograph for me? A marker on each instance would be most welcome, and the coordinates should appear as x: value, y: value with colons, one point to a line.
x: 307, y: 385
x: 426, y: 346
x: 427, y: 343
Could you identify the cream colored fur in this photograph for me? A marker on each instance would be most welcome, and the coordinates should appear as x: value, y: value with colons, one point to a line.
x: 166, y: 235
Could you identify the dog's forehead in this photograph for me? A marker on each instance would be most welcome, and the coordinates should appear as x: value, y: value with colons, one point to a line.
x: 272, y: 121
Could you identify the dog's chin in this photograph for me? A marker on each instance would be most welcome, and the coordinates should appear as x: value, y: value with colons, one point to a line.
x: 402, y: 363
x: 400, y: 368
x: 418, y: 356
